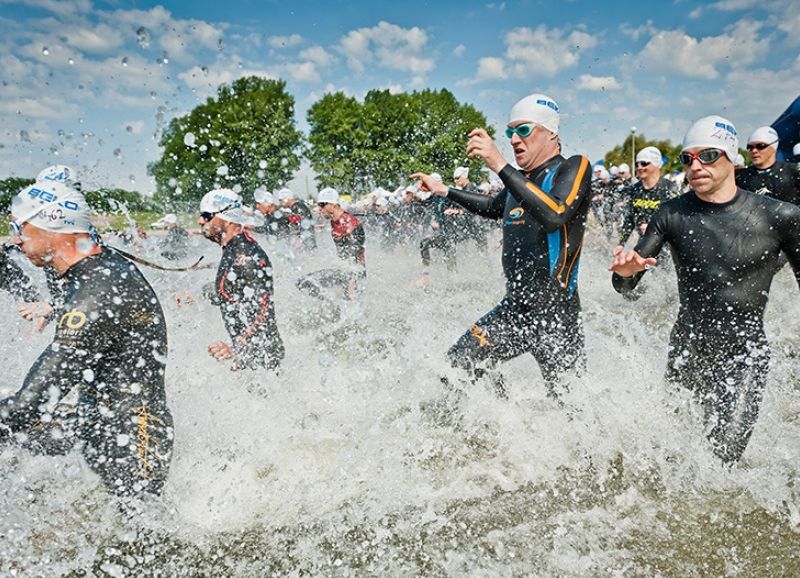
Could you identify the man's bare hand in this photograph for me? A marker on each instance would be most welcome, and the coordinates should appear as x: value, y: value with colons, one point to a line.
x: 483, y: 146
x: 40, y: 312
x: 220, y: 351
x: 629, y: 263
x: 430, y: 185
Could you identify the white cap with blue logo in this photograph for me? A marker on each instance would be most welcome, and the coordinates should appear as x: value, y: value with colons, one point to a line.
x: 713, y: 132
x: 226, y: 204
x: 54, y: 206
x: 538, y: 108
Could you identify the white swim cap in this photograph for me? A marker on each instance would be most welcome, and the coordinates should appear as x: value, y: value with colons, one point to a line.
x: 436, y: 177
x: 765, y: 134
x: 170, y: 218
x: 285, y: 194
x: 53, y: 206
x: 650, y: 155
x: 328, y: 195
x: 624, y: 168
x: 263, y: 196
x: 713, y: 132
x: 61, y: 174
x: 538, y: 108
x: 461, y: 172
x: 226, y: 204
x: 614, y: 170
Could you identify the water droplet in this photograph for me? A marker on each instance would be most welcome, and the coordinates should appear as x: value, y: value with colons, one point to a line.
x: 24, y: 136
x: 188, y: 139
x: 61, y: 132
x: 143, y: 37
x: 129, y: 128
x: 118, y: 152
x: 222, y: 171
x: 221, y: 44
x: 70, y: 61
x: 45, y: 50
x: 153, y: 94
x: 204, y: 70
x: 262, y: 164
x: 132, y: 179
x: 172, y: 182
x: 124, y: 61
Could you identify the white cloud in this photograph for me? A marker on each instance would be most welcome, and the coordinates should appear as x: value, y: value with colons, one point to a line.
x: 317, y: 55
x: 589, y: 82
x: 735, y: 5
x: 646, y: 29
x: 696, y: 13
x: 674, y: 51
x: 459, y: 50
x: 285, y: 41
x: 491, y: 68
x: 61, y: 7
x: 393, y: 47
x: 543, y: 51
x: 97, y: 39
x: 180, y: 38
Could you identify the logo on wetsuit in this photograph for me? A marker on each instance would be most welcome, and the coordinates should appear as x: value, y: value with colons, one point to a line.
x: 70, y: 324
x: 646, y: 203
x: 515, y: 216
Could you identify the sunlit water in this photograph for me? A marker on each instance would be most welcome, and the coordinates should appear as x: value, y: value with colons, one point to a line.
x: 332, y: 468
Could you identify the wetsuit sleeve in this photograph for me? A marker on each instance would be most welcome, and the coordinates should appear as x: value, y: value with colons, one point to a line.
x: 572, y: 183
x: 62, y: 366
x: 789, y: 230
x: 14, y: 280
x: 485, y: 206
x: 648, y: 246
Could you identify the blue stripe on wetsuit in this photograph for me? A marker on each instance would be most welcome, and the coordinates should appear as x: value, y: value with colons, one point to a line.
x: 554, y: 238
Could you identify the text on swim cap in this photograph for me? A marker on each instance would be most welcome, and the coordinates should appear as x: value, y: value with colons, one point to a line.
x: 50, y: 197
x: 547, y: 103
x: 727, y: 127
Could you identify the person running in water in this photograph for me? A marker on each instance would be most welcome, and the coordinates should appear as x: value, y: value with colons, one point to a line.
x: 243, y: 286
x: 110, y: 343
x: 348, y: 236
x: 725, y: 242
x: 543, y: 206
x: 767, y: 175
x: 645, y: 195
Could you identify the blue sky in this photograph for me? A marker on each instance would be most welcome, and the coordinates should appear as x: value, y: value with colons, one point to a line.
x: 91, y: 83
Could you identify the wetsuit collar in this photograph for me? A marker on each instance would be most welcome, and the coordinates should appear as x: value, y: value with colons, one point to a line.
x: 717, y: 207
x: 543, y: 168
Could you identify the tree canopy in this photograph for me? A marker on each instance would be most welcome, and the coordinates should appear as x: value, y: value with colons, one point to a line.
x: 355, y: 146
x: 242, y: 139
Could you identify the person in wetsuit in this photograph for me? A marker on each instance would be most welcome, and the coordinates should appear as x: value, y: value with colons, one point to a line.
x: 543, y: 206
x: 442, y: 237
x: 645, y: 195
x: 767, y: 175
x: 243, y: 286
x: 725, y: 243
x: 296, y: 220
x: 110, y: 343
x: 348, y: 237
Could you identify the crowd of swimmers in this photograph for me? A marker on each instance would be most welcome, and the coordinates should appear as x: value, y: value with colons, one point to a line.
x: 728, y: 232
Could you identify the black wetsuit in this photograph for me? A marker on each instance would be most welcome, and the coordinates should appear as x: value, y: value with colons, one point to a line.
x: 110, y: 343
x: 603, y: 196
x: 544, y: 218
x: 780, y: 181
x: 725, y: 256
x: 441, y: 238
x: 297, y: 221
x: 14, y: 280
x: 641, y: 204
x: 244, y: 294
x: 348, y: 237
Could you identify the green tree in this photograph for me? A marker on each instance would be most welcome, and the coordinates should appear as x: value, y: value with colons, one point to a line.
x: 112, y: 200
x: 245, y: 137
x: 357, y: 146
x: 9, y: 188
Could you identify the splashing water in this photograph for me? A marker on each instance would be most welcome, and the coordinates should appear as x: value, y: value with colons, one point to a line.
x: 333, y: 468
